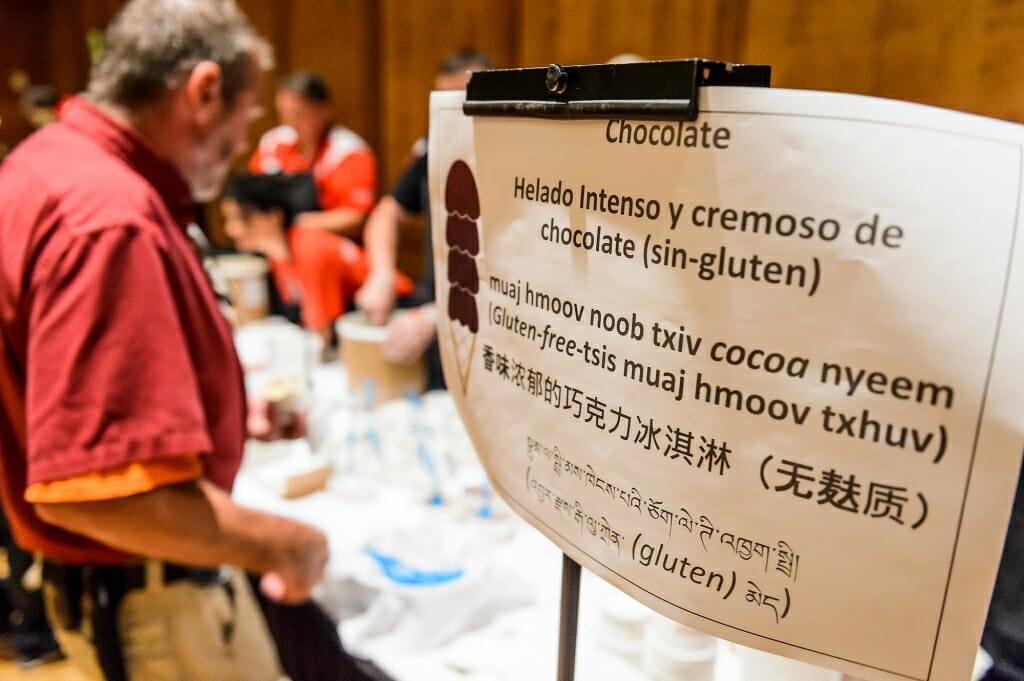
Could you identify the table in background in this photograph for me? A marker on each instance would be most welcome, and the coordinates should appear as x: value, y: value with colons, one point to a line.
x: 430, y: 575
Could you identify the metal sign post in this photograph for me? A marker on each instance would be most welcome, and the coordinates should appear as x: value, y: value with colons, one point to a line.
x: 569, y: 618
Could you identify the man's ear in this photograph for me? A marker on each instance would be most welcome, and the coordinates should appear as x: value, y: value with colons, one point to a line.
x: 203, y: 92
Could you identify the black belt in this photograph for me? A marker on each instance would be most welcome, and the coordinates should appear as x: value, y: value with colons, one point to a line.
x: 134, y: 576
x: 106, y: 586
x: 127, y: 577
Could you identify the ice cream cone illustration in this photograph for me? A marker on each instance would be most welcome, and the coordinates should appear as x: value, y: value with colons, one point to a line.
x: 463, y: 239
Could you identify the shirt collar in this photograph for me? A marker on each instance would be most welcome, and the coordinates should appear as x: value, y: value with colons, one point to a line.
x: 136, y: 152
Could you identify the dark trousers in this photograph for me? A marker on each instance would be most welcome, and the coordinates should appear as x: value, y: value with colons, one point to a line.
x: 22, y: 610
x: 1003, y: 638
x: 308, y: 644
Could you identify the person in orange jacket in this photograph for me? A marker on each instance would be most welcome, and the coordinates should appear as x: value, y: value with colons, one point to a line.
x: 313, y: 268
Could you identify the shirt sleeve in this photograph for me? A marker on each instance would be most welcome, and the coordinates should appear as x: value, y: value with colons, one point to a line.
x: 118, y: 482
x: 264, y: 159
x: 255, y: 164
x: 321, y: 274
x: 352, y: 184
x: 109, y: 378
x: 407, y: 191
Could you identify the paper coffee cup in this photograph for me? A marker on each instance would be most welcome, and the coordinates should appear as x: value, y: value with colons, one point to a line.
x: 370, y: 376
x: 246, y: 278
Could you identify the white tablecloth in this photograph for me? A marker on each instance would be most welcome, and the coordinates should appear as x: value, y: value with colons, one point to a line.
x: 429, y: 575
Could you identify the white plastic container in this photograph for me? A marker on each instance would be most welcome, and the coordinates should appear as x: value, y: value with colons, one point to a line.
x: 673, y: 652
x: 622, y: 624
x: 760, y: 666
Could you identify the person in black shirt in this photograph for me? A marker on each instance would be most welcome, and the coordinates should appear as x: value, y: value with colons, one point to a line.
x: 413, y: 334
x: 1003, y: 638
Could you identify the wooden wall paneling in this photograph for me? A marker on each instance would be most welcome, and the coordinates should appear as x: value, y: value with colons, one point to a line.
x: 946, y: 53
x: 730, y: 32
x: 20, y: 23
x: 271, y: 20
x: 338, y: 39
x: 415, y: 38
x: 593, y: 31
x: 94, y: 13
x: 65, y: 39
x: 814, y: 45
x: 910, y: 49
x: 22, y: 42
x: 983, y: 63
x: 68, y: 26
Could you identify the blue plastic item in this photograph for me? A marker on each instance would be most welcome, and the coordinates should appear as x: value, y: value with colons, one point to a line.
x: 400, y: 573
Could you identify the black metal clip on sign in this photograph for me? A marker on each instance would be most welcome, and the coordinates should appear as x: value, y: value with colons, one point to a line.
x: 660, y: 90
x: 657, y: 90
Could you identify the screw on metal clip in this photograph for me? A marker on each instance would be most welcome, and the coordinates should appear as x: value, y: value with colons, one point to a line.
x: 556, y: 79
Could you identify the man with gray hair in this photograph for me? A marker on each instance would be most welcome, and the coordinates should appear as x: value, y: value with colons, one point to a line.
x: 122, y: 407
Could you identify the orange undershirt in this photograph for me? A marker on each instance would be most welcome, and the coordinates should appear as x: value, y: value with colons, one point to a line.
x: 117, y: 482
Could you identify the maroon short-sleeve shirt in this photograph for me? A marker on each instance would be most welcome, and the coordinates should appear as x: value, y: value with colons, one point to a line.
x: 112, y: 347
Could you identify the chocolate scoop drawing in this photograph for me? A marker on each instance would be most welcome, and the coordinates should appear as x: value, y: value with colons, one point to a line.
x: 463, y: 239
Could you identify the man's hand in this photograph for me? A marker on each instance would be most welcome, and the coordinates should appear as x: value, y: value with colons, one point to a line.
x: 302, y: 564
x: 376, y: 297
x: 410, y: 334
x: 270, y: 419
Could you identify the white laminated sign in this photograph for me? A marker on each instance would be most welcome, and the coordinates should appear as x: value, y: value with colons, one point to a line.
x: 761, y: 371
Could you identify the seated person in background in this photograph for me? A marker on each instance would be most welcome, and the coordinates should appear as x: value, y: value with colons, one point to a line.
x: 412, y: 334
x: 316, y: 269
x: 343, y: 166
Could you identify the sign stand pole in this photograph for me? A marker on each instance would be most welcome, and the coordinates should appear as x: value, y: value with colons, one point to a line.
x: 569, y: 618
